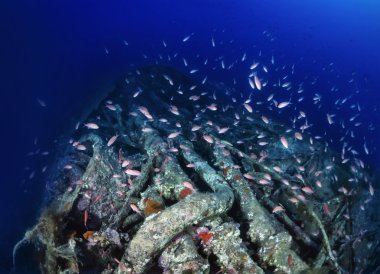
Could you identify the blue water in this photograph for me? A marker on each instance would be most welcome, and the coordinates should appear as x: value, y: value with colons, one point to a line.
x: 56, y: 51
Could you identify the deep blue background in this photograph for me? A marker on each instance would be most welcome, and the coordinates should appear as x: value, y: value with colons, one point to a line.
x: 55, y: 50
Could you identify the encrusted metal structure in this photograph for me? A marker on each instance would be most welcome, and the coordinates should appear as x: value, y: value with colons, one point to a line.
x: 157, y: 183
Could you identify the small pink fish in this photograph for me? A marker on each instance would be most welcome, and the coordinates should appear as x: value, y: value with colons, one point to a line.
x: 189, y: 186
x: 329, y: 119
x: 248, y: 176
x: 194, y: 98
x: 135, y: 208
x: 278, y: 209
x: 183, y: 147
x: 326, y: 209
x: 97, y: 198
x: 133, y: 172
x: 284, y: 142
x: 42, y: 103
x: 251, y: 83
x: 121, y: 265
x: 248, y: 108
x: 173, y: 135
x: 125, y: 163
x: 298, y: 136
x: 208, y: 139
x: 212, y: 107
x: 80, y: 147
x: 317, y: 173
x: 195, y: 128
x: 301, y: 198
x: 285, y: 182
x: 111, y: 107
x: 264, y: 182
x: 174, y: 110
x: 283, y: 104
x: 257, y: 82
x: 262, y: 143
x: 223, y: 130
x: 136, y: 94
x: 91, y: 126
x: 147, y: 129
x: 265, y: 119
x: 226, y: 152
x: 343, y: 190
x: 293, y: 200
x: 146, y: 113
x: 371, y: 190
x: 307, y: 190
x: 112, y: 140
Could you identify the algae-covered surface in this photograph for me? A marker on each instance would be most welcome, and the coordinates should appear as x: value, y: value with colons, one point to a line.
x: 168, y: 175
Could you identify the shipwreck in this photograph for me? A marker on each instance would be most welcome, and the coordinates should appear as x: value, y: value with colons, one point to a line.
x: 165, y: 177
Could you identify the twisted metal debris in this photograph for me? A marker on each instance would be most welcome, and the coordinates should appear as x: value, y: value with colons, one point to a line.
x: 144, y: 189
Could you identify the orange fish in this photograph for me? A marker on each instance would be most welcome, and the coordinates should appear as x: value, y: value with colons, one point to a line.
x: 205, y: 236
x: 85, y: 217
x: 290, y: 261
x: 88, y: 234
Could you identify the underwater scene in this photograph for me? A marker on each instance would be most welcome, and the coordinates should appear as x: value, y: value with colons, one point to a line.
x: 190, y: 137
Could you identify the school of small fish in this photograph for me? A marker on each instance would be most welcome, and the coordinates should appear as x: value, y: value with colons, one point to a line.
x: 272, y: 89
